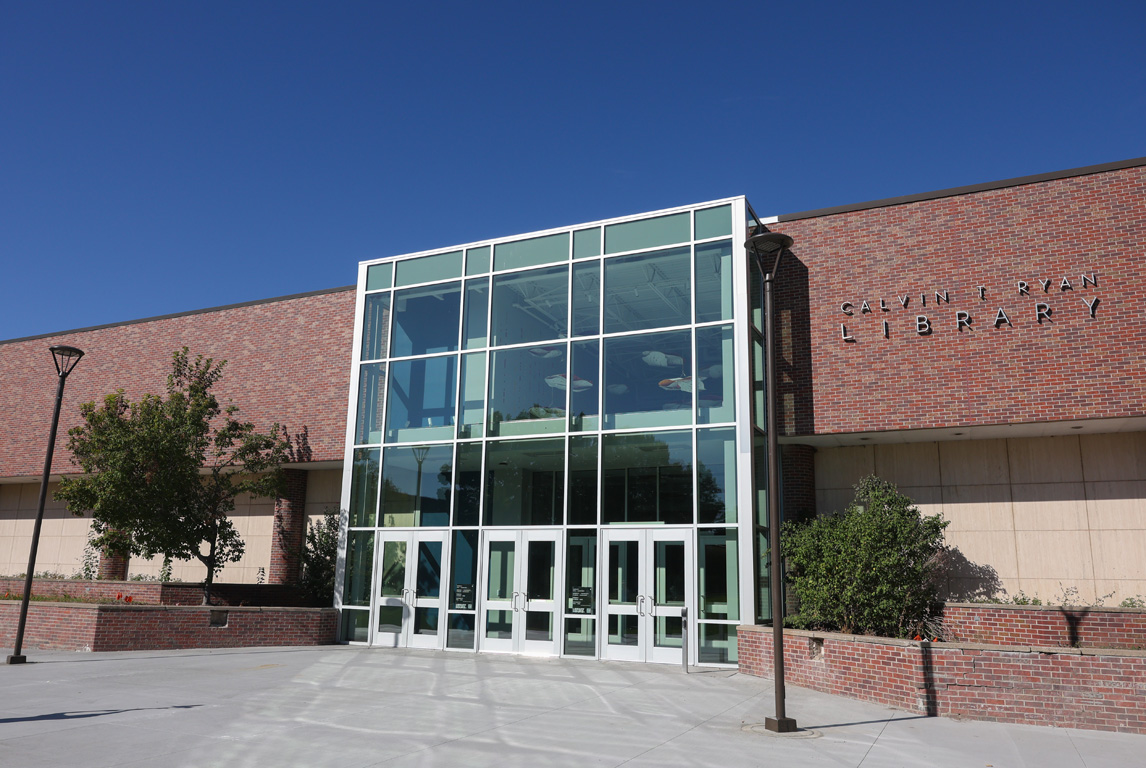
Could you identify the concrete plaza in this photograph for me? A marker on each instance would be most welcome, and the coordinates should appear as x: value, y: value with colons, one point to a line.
x: 351, y: 706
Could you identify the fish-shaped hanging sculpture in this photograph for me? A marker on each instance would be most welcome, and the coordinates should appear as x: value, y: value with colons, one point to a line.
x: 557, y: 381
x: 618, y: 389
x: 660, y: 359
x: 541, y: 412
x: 547, y: 352
x: 680, y: 384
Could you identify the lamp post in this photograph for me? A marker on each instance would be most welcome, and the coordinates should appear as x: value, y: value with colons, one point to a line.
x: 65, y: 359
x: 768, y: 249
x: 420, y: 452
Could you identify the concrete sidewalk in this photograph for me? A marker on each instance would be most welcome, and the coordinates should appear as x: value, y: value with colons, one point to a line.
x: 350, y: 706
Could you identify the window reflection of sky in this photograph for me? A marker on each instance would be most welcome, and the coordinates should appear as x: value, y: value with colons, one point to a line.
x: 648, y: 380
x: 426, y: 320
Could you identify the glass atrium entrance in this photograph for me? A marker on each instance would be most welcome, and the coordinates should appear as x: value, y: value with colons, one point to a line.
x: 544, y: 442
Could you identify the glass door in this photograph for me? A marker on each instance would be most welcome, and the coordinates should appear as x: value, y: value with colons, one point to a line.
x: 647, y: 583
x: 408, y: 609
x: 521, y: 573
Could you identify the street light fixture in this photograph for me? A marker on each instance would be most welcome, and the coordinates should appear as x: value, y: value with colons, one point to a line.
x: 420, y: 452
x: 65, y: 359
x: 768, y: 249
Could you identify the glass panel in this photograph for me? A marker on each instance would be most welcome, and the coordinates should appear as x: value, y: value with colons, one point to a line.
x: 471, y: 409
x: 416, y: 482
x: 525, y: 482
x: 756, y: 293
x: 429, y: 578
x: 530, y: 306
x: 760, y: 478
x: 364, y: 487
x: 356, y: 626
x: 529, y: 253
x: 718, y: 574
x: 477, y: 306
x: 763, y: 579
x: 540, y: 564
x: 390, y: 618
x: 461, y: 631
x: 669, y: 573
x: 648, y: 290
x: 426, y: 320
x: 669, y: 631
x: 716, y: 475
x: 716, y: 369
x: 587, y: 243
x: 648, y: 380
x: 371, y: 388
x: 713, y: 222
x: 392, y: 580
x: 648, y: 233
x: 422, y: 399
x: 760, y: 415
x: 467, y: 484
x: 441, y: 266
x: 624, y: 565
x: 623, y: 629
x: 464, y: 571
x: 359, y: 567
x: 477, y: 260
x: 378, y: 276
x: 375, y: 325
x: 584, y: 397
x: 581, y: 573
x: 426, y: 621
x: 499, y: 584
x: 539, y: 625
x: 717, y: 644
x: 527, y: 390
x: 647, y: 478
x: 580, y: 637
x: 499, y: 625
x: 714, y: 297
x: 587, y: 298
x: 582, y: 481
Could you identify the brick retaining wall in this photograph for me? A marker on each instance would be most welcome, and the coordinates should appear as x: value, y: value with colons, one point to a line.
x: 165, y: 593
x: 1045, y: 625
x: 1100, y: 689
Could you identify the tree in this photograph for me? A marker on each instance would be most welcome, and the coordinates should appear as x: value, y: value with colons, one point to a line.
x: 318, y: 557
x: 871, y: 569
x: 162, y: 473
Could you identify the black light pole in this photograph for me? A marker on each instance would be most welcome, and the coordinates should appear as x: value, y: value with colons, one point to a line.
x: 420, y: 452
x: 65, y: 359
x: 768, y: 248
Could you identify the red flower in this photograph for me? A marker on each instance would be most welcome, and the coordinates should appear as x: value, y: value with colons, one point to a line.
x: 119, y: 596
x: 127, y: 599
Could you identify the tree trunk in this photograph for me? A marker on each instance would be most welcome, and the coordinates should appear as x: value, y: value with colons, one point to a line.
x: 209, y: 561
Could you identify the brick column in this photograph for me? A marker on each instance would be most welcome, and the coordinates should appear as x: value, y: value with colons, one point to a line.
x: 798, y: 466
x: 112, y: 567
x: 290, y: 529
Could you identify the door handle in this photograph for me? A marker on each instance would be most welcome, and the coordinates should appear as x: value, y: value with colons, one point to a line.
x: 640, y: 605
x: 514, y: 602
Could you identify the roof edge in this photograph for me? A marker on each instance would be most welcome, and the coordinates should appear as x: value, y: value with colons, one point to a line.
x: 966, y: 190
x: 221, y: 308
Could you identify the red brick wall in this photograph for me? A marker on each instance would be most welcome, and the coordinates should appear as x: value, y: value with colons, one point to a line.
x: 1068, y: 688
x: 1075, y: 366
x: 1047, y: 625
x: 157, y: 593
x: 56, y: 626
x: 798, y: 468
x: 289, y: 530
x: 287, y: 361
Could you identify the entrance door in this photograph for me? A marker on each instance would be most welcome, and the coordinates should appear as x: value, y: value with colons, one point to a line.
x: 408, y: 612
x: 521, y: 591
x: 647, y: 579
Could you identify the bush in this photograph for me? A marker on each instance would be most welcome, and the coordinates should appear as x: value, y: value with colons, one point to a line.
x: 868, y: 570
x: 318, y: 556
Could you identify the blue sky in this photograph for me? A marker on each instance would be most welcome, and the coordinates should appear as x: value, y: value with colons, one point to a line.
x: 162, y: 157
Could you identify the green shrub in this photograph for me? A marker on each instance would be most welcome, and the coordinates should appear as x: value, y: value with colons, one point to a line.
x: 318, y: 556
x: 868, y: 570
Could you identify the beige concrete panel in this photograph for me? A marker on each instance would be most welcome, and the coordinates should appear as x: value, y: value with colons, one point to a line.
x: 1062, y: 555
x: 1049, y: 506
x: 833, y: 500
x: 929, y: 499
x: 1118, y: 555
x: 324, y: 486
x: 993, y: 548
x: 1118, y: 456
x: 978, y: 508
x: 908, y: 464
x: 1117, y: 506
x: 53, y: 524
x: 838, y: 468
x: 1057, y: 591
x: 1119, y: 590
x: 1045, y: 459
x: 974, y: 462
x: 10, y: 495
x: 8, y: 565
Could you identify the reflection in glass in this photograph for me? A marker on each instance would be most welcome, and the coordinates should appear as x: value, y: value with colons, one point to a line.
x: 378, y: 276
x: 428, y: 581
x: 716, y: 372
x: 539, y: 573
x: 364, y: 487
x: 500, y: 570
x: 587, y: 243
x: 461, y: 632
x: 371, y: 388
x: 539, y: 626
x: 668, y: 632
x: 527, y: 390
x: 759, y: 413
x: 716, y: 475
x: 582, y: 480
x: 624, y: 565
x: 425, y: 621
x: 713, y: 222
x: 717, y: 644
x: 477, y: 260
x: 648, y: 290
x: 714, y: 296
x: 471, y: 408
x: 441, y: 266
x: 426, y: 319
x: 648, y: 233
x: 499, y: 625
x: 623, y: 629
x: 525, y: 482
x: 477, y: 306
x: 359, y: 565
x: 580, y: 637
x: 375, y: 324
x: 416, y: 482
x: 587, y: 298
x: 669, y: 573
x: 648, y: 380
x: 355, y: 625
x: 464, y: 571
x: 530, y: 306
x: 718, y: 569
x: 531, y: 252
x: 581, y: 573
x: 390, y: 618
x: 421, y: 402
x: 392, y: 579
x: 647, y: 478
x: 467, y: 484
x: 756, y: 293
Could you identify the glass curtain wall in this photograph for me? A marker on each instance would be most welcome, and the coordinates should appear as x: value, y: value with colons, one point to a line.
x: 576, y: 381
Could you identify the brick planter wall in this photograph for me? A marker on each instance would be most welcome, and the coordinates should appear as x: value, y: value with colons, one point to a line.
x: 1044, y: 625
x: 88, y: 627
x: 1100, y: 689
x: 159, y: 593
